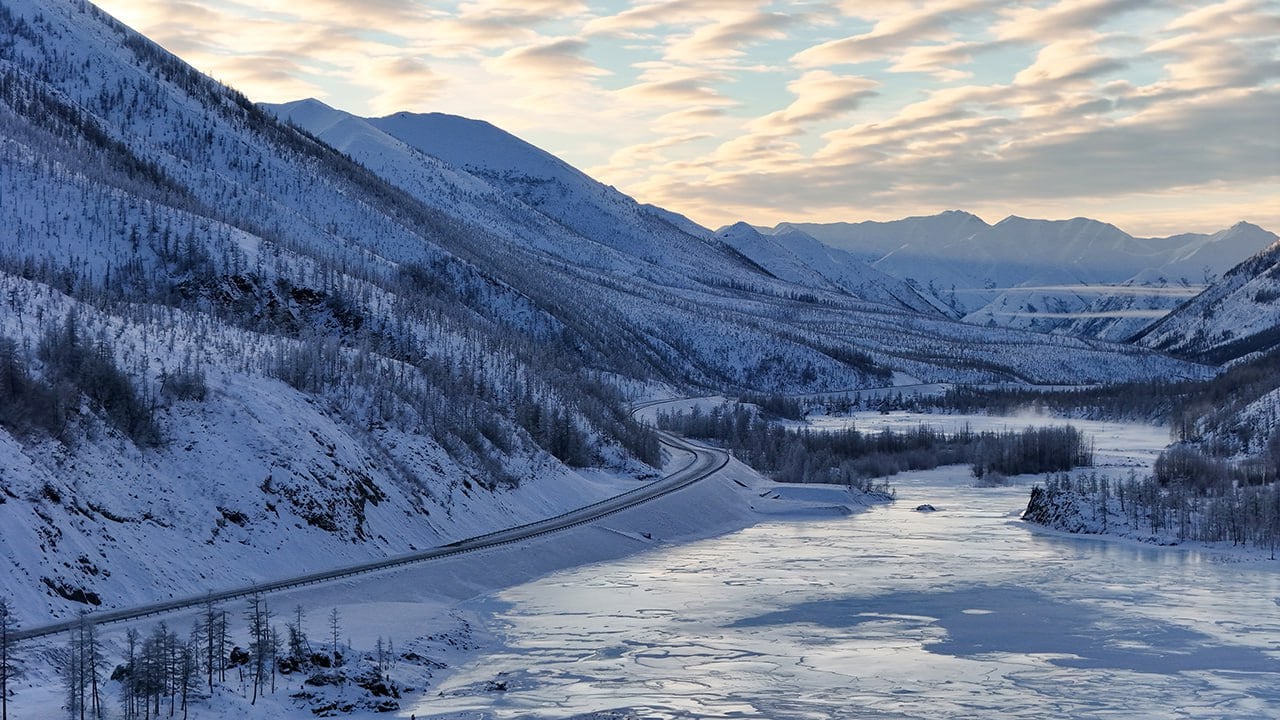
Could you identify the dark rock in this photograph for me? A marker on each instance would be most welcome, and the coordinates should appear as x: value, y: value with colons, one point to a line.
x: 1055, y: 509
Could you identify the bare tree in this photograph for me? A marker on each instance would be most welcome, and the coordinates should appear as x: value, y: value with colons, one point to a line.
x: 277, y: 645
x: 299, y: 647
x: 189, y: 668
x: 73, y: 678
x: 258, y: 618
x: 211, y: 637
x: 129, y: 686
x: 8, y: 662
x: 95, y: 663
x: 335, y: 631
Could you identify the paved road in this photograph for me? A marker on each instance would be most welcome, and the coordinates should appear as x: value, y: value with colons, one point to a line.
x: 705, y: 461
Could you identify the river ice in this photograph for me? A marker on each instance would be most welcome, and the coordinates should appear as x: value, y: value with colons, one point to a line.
x: 961, y: 613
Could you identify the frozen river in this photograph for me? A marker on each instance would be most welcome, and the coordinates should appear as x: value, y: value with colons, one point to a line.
x: 892, y: 613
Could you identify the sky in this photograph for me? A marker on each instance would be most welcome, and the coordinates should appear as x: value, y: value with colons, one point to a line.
x: 1159, y: 116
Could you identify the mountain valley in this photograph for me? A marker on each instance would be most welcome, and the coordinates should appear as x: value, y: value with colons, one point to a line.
x: 241, y: 342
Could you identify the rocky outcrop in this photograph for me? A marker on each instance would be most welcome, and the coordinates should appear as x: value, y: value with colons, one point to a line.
x: 1055, y: 508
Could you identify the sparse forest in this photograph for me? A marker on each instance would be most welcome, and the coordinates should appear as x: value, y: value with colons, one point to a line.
x: 854, y: 458
x: 1196, y: 507
x: 163, y: 673
x: 1207, y: 410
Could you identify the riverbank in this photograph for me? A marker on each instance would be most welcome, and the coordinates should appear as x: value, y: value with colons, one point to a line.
x: 892, y: 613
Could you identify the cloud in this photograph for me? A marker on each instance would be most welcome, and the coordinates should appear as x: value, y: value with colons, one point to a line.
x: 728, y: 36
x: 1071, y: 60
x: 1231, y: 44
x: 649, y: 15
x: 273, y: 78
x: 524, y: 12
x: 899, y: 26
x: 409, y: 82
x: 557, y: 59
x: 1150, y: 152
x: 1046, y: 24
x: 942, y: 61
x: 680, y: 121
x: 1234, y: 17
x: 652, y: 152
x: 675, y: 86
x: 1058, y: 104
x: 820, y: 95
x: 497, y: 21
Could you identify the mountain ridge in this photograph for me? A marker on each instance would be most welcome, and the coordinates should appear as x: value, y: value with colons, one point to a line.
x: 1236, y: 317
x: 1006, y: 274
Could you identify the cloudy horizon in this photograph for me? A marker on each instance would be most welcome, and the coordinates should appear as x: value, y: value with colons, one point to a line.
x: 1158, y: 117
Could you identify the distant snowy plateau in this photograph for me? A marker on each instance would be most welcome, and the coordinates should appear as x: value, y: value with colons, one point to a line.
x: 239, y: 342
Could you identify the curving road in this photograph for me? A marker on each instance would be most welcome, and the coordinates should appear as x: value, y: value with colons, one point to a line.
x: 706, y: 461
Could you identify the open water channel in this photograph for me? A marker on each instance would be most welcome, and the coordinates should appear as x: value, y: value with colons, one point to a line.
x: 890, y: 613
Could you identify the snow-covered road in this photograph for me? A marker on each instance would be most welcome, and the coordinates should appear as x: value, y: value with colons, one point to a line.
x: 702, y: 463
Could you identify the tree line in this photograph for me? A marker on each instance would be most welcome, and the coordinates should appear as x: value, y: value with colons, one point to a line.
x: 74, y: 366
x: 852, y: 457
x: 163, y: 672
x: 1197, y: 411
x: 1224, y: 511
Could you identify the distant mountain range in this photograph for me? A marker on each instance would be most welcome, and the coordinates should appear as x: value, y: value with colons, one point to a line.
x: 1078, y: 277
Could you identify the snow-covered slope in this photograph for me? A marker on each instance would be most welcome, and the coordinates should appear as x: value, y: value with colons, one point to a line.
x: 872, y: 240
x: 254, y: 480
x: 1120, y: 312
x: 772, y: 256
x: 552, y: 187
x: 1236, y: 316
x: 720, y: 314
x: 796, y: 257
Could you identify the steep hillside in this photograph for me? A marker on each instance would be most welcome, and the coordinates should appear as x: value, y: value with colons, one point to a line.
x: 722, y: 318
x: 1119, y: 312
x: 1236, y: 316
x: 555, y: 189
x: 218, y: 328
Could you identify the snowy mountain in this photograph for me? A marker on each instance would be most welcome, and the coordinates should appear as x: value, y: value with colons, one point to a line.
x: 734, y: 314
x: 796, y: 257
x: 1120, y: 312
x: 552, y: 187
x: 232, y: 348
x: 1079, y: 277
x: 1236, y: 316
x: 872, y: 240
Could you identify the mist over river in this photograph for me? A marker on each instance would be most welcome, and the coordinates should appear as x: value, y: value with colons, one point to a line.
x: 891, y: 613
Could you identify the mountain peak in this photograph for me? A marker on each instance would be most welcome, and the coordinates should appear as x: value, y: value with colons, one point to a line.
x: 1246, y: 226
x: 742, y: 226
x: 964, y: 214
x: 307, y: 103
